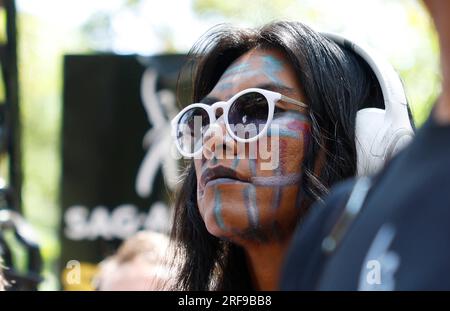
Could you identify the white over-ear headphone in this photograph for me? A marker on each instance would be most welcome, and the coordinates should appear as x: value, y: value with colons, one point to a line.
x: 380, y: 133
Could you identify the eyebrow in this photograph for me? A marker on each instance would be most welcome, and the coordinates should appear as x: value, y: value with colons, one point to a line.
x: 279, y: 88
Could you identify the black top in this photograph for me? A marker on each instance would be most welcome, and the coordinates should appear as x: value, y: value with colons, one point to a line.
x: 400, y: 240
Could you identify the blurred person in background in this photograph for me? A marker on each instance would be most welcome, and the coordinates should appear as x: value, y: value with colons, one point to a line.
x: 234, y: 219
x: 140, y: 264
x: 389, y: 232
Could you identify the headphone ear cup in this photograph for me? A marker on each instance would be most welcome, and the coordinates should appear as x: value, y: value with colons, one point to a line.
x: 369, y: 122
x: 378, y: 140
x: 379, y: 133
x: 402, y: 139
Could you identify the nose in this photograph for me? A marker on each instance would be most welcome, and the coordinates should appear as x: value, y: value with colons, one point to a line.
x: 216, y: 141
x: 218, y: 109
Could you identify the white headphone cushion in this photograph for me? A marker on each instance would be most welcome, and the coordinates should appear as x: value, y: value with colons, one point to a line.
x: 368, y: 123
x: 378, y: 139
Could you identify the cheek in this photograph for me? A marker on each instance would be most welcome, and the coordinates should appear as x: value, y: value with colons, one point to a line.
x: 284, y: 150
x: 293, y: 145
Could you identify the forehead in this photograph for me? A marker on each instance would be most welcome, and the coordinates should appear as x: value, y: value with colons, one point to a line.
x: 255, y: 68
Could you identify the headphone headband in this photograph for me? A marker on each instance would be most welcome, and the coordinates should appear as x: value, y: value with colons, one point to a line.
x: 390, y: 83
x: 379, y: 133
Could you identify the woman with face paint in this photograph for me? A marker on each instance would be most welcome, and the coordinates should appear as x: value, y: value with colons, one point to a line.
x: 271, y: 130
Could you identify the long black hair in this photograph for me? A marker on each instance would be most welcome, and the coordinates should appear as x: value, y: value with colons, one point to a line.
x: 336, y: 82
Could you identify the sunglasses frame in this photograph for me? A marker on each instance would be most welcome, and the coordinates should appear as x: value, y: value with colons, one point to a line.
x: 271, y: 97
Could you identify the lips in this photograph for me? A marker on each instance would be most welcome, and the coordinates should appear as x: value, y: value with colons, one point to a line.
x: 220, y: 172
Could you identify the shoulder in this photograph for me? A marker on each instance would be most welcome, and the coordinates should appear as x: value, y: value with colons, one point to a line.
x: 305, y: 257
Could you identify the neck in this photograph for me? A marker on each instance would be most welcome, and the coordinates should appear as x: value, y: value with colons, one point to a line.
x: 440, y: 10
x: 265, y: 262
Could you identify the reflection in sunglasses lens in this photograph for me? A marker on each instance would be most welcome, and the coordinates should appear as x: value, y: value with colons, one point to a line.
x: 191, y: 128
x: 248, y: 114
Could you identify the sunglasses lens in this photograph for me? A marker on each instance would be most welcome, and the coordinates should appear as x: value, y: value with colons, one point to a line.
x: 248, y: 115
x: 191, y: 128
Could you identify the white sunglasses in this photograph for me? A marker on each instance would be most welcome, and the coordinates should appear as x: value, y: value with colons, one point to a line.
x: 244, y: 114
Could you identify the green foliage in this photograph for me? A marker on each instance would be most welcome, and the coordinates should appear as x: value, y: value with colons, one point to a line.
x: 252, y: 12
x: 41, y: 46
x: 400, y: 30
x: 421, y: 75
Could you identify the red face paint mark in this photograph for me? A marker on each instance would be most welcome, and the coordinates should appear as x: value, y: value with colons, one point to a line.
x: 300, y: 126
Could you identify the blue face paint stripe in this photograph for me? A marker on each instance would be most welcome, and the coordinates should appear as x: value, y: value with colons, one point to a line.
x: 235, y: 163
x: 204, y: 167
x: 271, y: 67
x: 218, y: 209
x: 252, y: 164
x: 272, y: 62
x: 245, y: 75
x: 277, y: 198
x: 214, y: 160
x: 250, y: 205
x: 224, y: 86
x: 234, y: 69
x: 273, y: 79
x: 277, y: 191
x: 284, y: 133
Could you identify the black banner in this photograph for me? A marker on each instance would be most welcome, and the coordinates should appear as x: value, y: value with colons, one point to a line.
x: 116, y: 165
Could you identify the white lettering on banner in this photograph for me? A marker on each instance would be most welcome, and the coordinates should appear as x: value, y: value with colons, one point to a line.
x: 75, y: 221
x: 99, y: 224
x: 122, y: 222
x: 125, y: 220
x: 160, y: 108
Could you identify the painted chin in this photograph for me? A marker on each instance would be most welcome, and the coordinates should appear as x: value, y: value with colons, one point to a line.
x: 217, y: 183
x: 213, y: 227
x: 222, y: 207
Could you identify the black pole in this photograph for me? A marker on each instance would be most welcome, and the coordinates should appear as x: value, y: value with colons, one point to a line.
x: 13, y: 129
x: 10, y: 143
